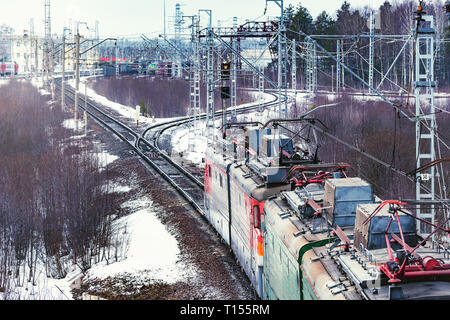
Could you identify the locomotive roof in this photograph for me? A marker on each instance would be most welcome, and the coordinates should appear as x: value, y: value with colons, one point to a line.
x: 250, y: 182
x: 358, y: 266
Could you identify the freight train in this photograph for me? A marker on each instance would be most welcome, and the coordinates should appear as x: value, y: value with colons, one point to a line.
x: 302, y: 229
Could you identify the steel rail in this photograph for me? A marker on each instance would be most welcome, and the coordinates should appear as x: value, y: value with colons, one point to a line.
x: 135, y: 145
x: 141, y: 154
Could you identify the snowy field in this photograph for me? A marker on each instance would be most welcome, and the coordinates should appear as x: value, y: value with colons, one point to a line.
x: 139, y: 237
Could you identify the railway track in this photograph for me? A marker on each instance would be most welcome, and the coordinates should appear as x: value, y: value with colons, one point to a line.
x: 149, y: 150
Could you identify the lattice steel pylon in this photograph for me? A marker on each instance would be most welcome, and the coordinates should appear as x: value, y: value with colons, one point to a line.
x: 210, y: 90
x: 282, y: 72
x: 178, y: 27
x: 371, y: 49
x: 294, y: 66
x: 260, y: 89
x: 116, y: 53
x: 210, y: 84
x: 194, y: 81
x: 425, y: 120
x: 311, y: 66
x: 338, y: 66
x: 234, y: 65
x: 48, y: 42
x: 282, y: 61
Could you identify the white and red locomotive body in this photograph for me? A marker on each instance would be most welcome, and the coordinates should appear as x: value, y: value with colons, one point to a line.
x: 8, y: 68
x: 234, y: 202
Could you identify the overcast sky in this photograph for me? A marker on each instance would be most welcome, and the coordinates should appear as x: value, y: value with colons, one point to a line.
x: 134, y: 17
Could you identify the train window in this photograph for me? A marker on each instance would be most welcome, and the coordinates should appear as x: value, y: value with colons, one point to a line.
x: 221, y: 183
x: 256, y: 217
x: 209, y: 171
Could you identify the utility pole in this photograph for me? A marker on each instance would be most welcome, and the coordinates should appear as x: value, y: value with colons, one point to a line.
x: 234, y: 67
x: 260, y: 88
x: 371, y: 49
x: 36, y: 57
x: 338, y: 66
x: 332, y: 78
x: 77, y: 74
x: 117, y: 59
x: 194, y: 81
x: 77, y: 70
x: 342, y: 57
x: 294, y: 67
x: 425, y: 118
x: 178, y: 30
x: 282, y: 61
x: 311, y: 66
x: 47, y: 45
x: 31, y: 43
x: 63, y: 65
x: 210, y: 135
x: 52, y: 76
x: 63, y: 75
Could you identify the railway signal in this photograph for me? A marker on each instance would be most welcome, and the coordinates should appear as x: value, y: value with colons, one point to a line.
x: 225, y: 71
x: 225, y: 92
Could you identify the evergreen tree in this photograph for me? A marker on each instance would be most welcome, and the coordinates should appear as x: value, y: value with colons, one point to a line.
x: 300, y: 21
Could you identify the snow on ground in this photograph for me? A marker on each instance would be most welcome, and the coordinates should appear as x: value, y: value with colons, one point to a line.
x: 45, y: 288
x: 145, y: 249
x: 105, y: 158
x: 38, y: 83
x: 73, y: 124
x: 123, y: 110
x: 145, y: 256
x: 4, y: 81
x: 140, y: 251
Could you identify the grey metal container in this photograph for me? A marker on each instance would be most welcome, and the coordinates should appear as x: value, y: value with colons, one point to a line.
x: 341, y: 197
x: 372, y: 234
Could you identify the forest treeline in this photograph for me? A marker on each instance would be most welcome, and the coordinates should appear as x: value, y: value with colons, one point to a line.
x: 55, y: 208
x: 397, y: 18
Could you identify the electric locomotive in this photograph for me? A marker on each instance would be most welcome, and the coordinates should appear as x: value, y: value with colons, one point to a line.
x: 302, y: 229
x: 241, y: 173
x: 349, y: 245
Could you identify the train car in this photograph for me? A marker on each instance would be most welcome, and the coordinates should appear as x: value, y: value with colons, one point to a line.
x: 236, y: 191
x: 164, y: 69
x: 305, y: 230
x: 8, y: 68
x: 234, y: 203
x: 376, y: 257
